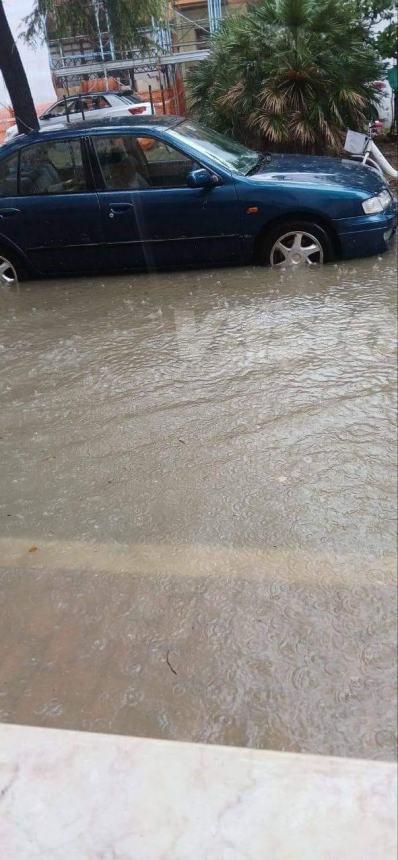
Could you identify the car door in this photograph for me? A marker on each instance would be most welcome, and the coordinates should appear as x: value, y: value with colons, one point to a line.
x: 54, y: 218
x: 151, y: 217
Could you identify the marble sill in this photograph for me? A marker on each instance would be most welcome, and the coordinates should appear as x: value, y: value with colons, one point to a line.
x: 68, y: 795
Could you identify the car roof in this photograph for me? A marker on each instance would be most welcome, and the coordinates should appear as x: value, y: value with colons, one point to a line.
x: 119, y: 123
x: 97, y: 93
x: 150, y: 122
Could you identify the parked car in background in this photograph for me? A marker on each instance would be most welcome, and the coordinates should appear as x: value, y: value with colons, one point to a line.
x: 385, y: 108
x: 376, y: 127
x: 77, y: 107
x: 131, y: 193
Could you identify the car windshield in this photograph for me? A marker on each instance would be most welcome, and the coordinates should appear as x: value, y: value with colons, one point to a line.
x: 227, y: 152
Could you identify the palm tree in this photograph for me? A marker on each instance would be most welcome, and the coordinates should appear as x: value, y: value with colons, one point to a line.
x: 291, y: 74
x: 15, y: 78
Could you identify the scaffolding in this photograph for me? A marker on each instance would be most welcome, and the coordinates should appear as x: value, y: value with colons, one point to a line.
x: 168, y: 46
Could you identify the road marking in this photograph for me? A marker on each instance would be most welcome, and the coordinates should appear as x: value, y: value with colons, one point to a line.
x: 195, y: 560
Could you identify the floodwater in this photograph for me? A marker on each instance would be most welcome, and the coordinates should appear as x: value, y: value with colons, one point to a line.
x: 198, y: 506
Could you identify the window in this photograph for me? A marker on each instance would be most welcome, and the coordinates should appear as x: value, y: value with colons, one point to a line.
x: 75, y: 105
x: 8, y: 176
x: 202, y: 38
x: 131, y: 162
x: 57, y: 110
x: 54, y: 167
x: 129, y: 98
x: 79, y: 104
x: 122, y: 163
x: 92, y: 103
x: 167, y: 167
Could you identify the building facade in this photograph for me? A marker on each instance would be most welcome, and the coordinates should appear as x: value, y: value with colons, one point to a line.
x: 83, y: 63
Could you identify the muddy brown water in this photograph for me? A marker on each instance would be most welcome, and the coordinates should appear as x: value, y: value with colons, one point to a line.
x: 198, y: 506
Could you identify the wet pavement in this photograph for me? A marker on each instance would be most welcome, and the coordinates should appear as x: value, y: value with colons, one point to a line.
x: 198, y: 506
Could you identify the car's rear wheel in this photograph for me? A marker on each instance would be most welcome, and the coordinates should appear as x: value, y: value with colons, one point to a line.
x: 10, y: 270
x: 296, y: 243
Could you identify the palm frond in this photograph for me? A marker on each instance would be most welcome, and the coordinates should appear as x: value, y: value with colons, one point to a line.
x: 292, y: 73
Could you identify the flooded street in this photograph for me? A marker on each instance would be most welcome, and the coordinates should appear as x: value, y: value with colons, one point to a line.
x: 198, y: 506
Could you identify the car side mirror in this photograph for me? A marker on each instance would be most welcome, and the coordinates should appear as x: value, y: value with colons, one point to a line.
x: 202, y: 178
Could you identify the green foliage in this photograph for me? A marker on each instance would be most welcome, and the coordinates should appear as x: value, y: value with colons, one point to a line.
x: 72, y: 17
x: 382, y: 12
x: 387, y: 41
x: 293, y: 74
x: 376, y: 11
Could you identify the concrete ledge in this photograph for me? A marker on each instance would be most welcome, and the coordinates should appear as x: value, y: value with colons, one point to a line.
x: 74, y: 796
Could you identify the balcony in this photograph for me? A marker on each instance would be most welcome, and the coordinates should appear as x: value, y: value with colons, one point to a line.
x: 176, y: 43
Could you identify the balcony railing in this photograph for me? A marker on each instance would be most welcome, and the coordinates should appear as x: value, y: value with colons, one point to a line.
x: 161, y: 41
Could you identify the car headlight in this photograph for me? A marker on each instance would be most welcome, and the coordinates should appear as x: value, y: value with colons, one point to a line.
x: 377, y: 204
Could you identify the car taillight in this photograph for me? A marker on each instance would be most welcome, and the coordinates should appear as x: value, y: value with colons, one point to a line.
x: 137, y: 109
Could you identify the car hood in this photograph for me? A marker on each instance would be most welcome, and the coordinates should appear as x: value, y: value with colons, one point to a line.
x: 316, y: 170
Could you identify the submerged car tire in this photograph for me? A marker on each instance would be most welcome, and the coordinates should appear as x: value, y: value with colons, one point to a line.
x: 296, y: 243
x: 11, y: 270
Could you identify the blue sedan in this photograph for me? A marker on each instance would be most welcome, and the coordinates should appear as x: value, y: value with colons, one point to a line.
x: 133, y: 194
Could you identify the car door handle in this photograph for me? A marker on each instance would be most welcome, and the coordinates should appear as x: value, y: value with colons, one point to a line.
x: 119, y: 209
x: 8, y: 213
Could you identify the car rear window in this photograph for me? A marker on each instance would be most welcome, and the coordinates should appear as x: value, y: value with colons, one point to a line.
x: 9, y: 176
x: 129, y: 98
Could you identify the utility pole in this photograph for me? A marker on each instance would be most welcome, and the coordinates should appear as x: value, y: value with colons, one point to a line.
x: 15, y: 78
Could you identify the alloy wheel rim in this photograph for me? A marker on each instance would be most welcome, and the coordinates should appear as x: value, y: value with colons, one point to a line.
x: 8, y: 275
x: 297, y: 248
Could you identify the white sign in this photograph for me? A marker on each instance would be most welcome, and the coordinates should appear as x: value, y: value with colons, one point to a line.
x: 356, y: 142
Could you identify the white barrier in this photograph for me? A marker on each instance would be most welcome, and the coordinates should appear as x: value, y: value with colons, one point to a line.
x: 362, y: 146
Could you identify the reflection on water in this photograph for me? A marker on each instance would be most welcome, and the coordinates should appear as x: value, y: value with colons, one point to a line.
x: 243, y: 409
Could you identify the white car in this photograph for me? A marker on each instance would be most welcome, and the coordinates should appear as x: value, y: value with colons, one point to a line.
x: 77, y: 107
x: 385, y: 108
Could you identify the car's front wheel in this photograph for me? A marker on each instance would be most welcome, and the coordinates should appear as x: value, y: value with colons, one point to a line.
x: 10, y: 270
x: 296, y: 243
